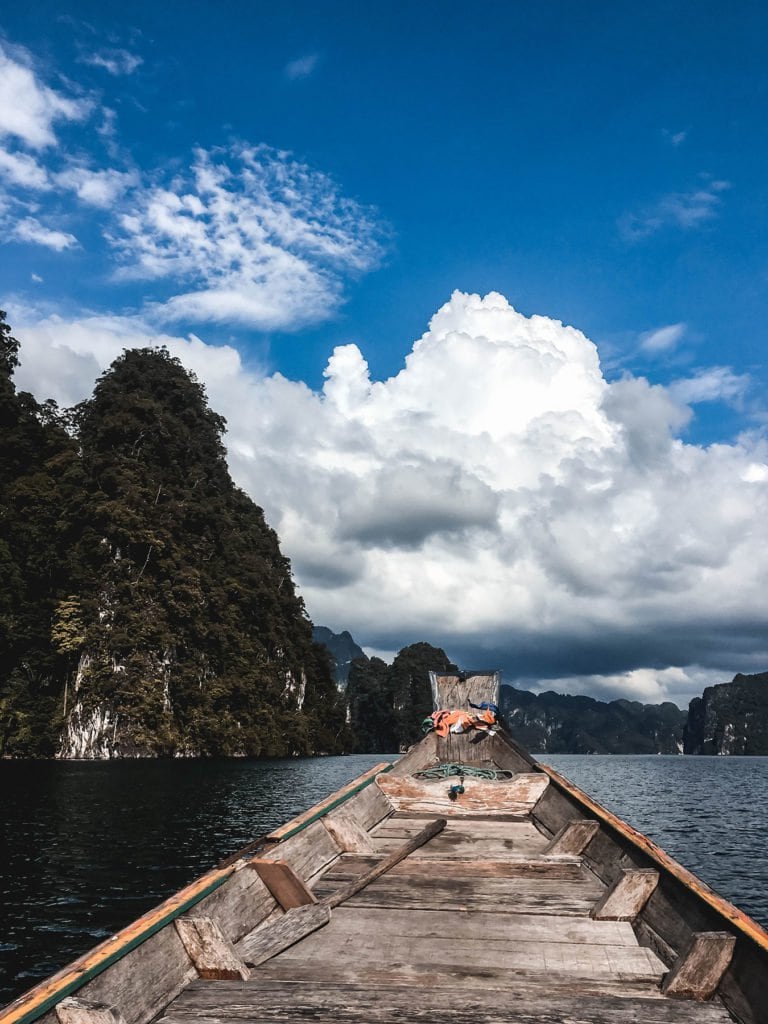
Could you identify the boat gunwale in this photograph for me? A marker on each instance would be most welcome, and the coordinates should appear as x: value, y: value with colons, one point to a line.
x: 738, y: 919
x: 38, y: 1000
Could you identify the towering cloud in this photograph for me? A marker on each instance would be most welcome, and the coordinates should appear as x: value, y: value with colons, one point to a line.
x: 498, y: 497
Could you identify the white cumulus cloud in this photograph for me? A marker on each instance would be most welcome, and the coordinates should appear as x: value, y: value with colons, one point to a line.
x: 29, y: 108
x: 497, y: 496
x: 662, y: 339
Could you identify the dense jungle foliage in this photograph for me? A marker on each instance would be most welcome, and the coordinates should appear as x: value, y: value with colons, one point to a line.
x: 146, y: 607
x: 387, y: 703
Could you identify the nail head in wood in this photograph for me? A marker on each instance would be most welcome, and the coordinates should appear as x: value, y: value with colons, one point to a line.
x: 698, y: 970
x: 624, y: 900
x: 282, y: 881
x: 574, y: 837
x: 210, y: 950
x: 83, y: 1011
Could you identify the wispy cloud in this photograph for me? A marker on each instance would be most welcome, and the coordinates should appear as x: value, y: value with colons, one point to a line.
x: 116, y: 61
x: 31, y: 230
x: 255, y: 236
x: 712, y: 384
x: 96, y: 188
x: 29, y: 109
x: 662, y: 339
x: 303, y: 67
x: 674, y: 138
x: 684, y: 210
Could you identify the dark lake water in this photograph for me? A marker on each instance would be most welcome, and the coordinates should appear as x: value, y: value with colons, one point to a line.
x: 86, y: 848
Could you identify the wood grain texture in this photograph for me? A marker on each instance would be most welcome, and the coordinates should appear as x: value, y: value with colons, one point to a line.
x: 624, y: 900
x: 144, y: 981
x: 307, y: 852
x: 420, y: 928
x: 81, y: 1011
x: 519, y: 795
x: 567, y: 868
x: 367, y: 808
x: 574, y: 837
x: 286, y: 887
x: 460, y: 895
x: 348, y: 835
x: 239, y: 905
x: 460, y: 1002
x: 699, y: 968
x: 278, y: 936
x: 212, y: 954
x: 347, y: 891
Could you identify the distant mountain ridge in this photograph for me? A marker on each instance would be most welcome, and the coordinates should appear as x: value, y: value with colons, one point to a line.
x: 559, y: 723
x: 342, y: 649
x: 730, y: 718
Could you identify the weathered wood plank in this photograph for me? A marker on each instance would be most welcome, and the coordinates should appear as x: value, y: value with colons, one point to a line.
x: 579, y: 959
x: 518, y: 795
x: 324, y: 806
x: 504, y: 896
x: 494, y: 927
x: 81, y: 1011
x: 271, y: 939
x: 462, y: 981
x: 345, y: 892
x: 624, y: 900
x: 555, y: 810
x: 574, y: 837
x: 239, y: 905
x: 368, y: 808
x: 545, y: 867
x: 212, y: 954
x: 500, y: 817
x: 307, y: 852
x: 394, y: 1005
x: 701, y: 965
x: 144, y: 981
x: 287, y: 888
x: 348, y: 835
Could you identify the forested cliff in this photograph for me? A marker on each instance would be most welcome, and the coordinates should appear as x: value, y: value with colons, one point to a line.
x: 730, y: 718
x: 146, y: 608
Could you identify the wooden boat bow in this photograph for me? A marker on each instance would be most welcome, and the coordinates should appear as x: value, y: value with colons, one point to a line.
x: 503, y: 894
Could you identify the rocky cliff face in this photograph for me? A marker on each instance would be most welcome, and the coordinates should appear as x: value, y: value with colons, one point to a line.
x: 558, y: 723
x: 730, y: 718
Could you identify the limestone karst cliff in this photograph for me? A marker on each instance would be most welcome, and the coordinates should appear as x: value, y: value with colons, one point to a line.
x: 730, y: 718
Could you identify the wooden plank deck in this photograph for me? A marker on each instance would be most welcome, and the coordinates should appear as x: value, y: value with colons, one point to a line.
x: 478, y: 926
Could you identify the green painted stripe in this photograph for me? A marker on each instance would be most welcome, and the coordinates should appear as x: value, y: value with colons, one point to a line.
x: 96, y: 970
x: 335, y: 803
x: 93, y: 972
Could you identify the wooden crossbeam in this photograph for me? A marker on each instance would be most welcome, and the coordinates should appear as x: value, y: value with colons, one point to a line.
x: 288, y: 888
x: 209, y: 950
x: 347, y: 833
x: 422, y: 837
x: 574, y: 837
x: 270, y: 939
x: 624, y: 900
x: 697, y: 971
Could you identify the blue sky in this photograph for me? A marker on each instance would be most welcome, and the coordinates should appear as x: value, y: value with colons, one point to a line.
x: 284, y: 179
